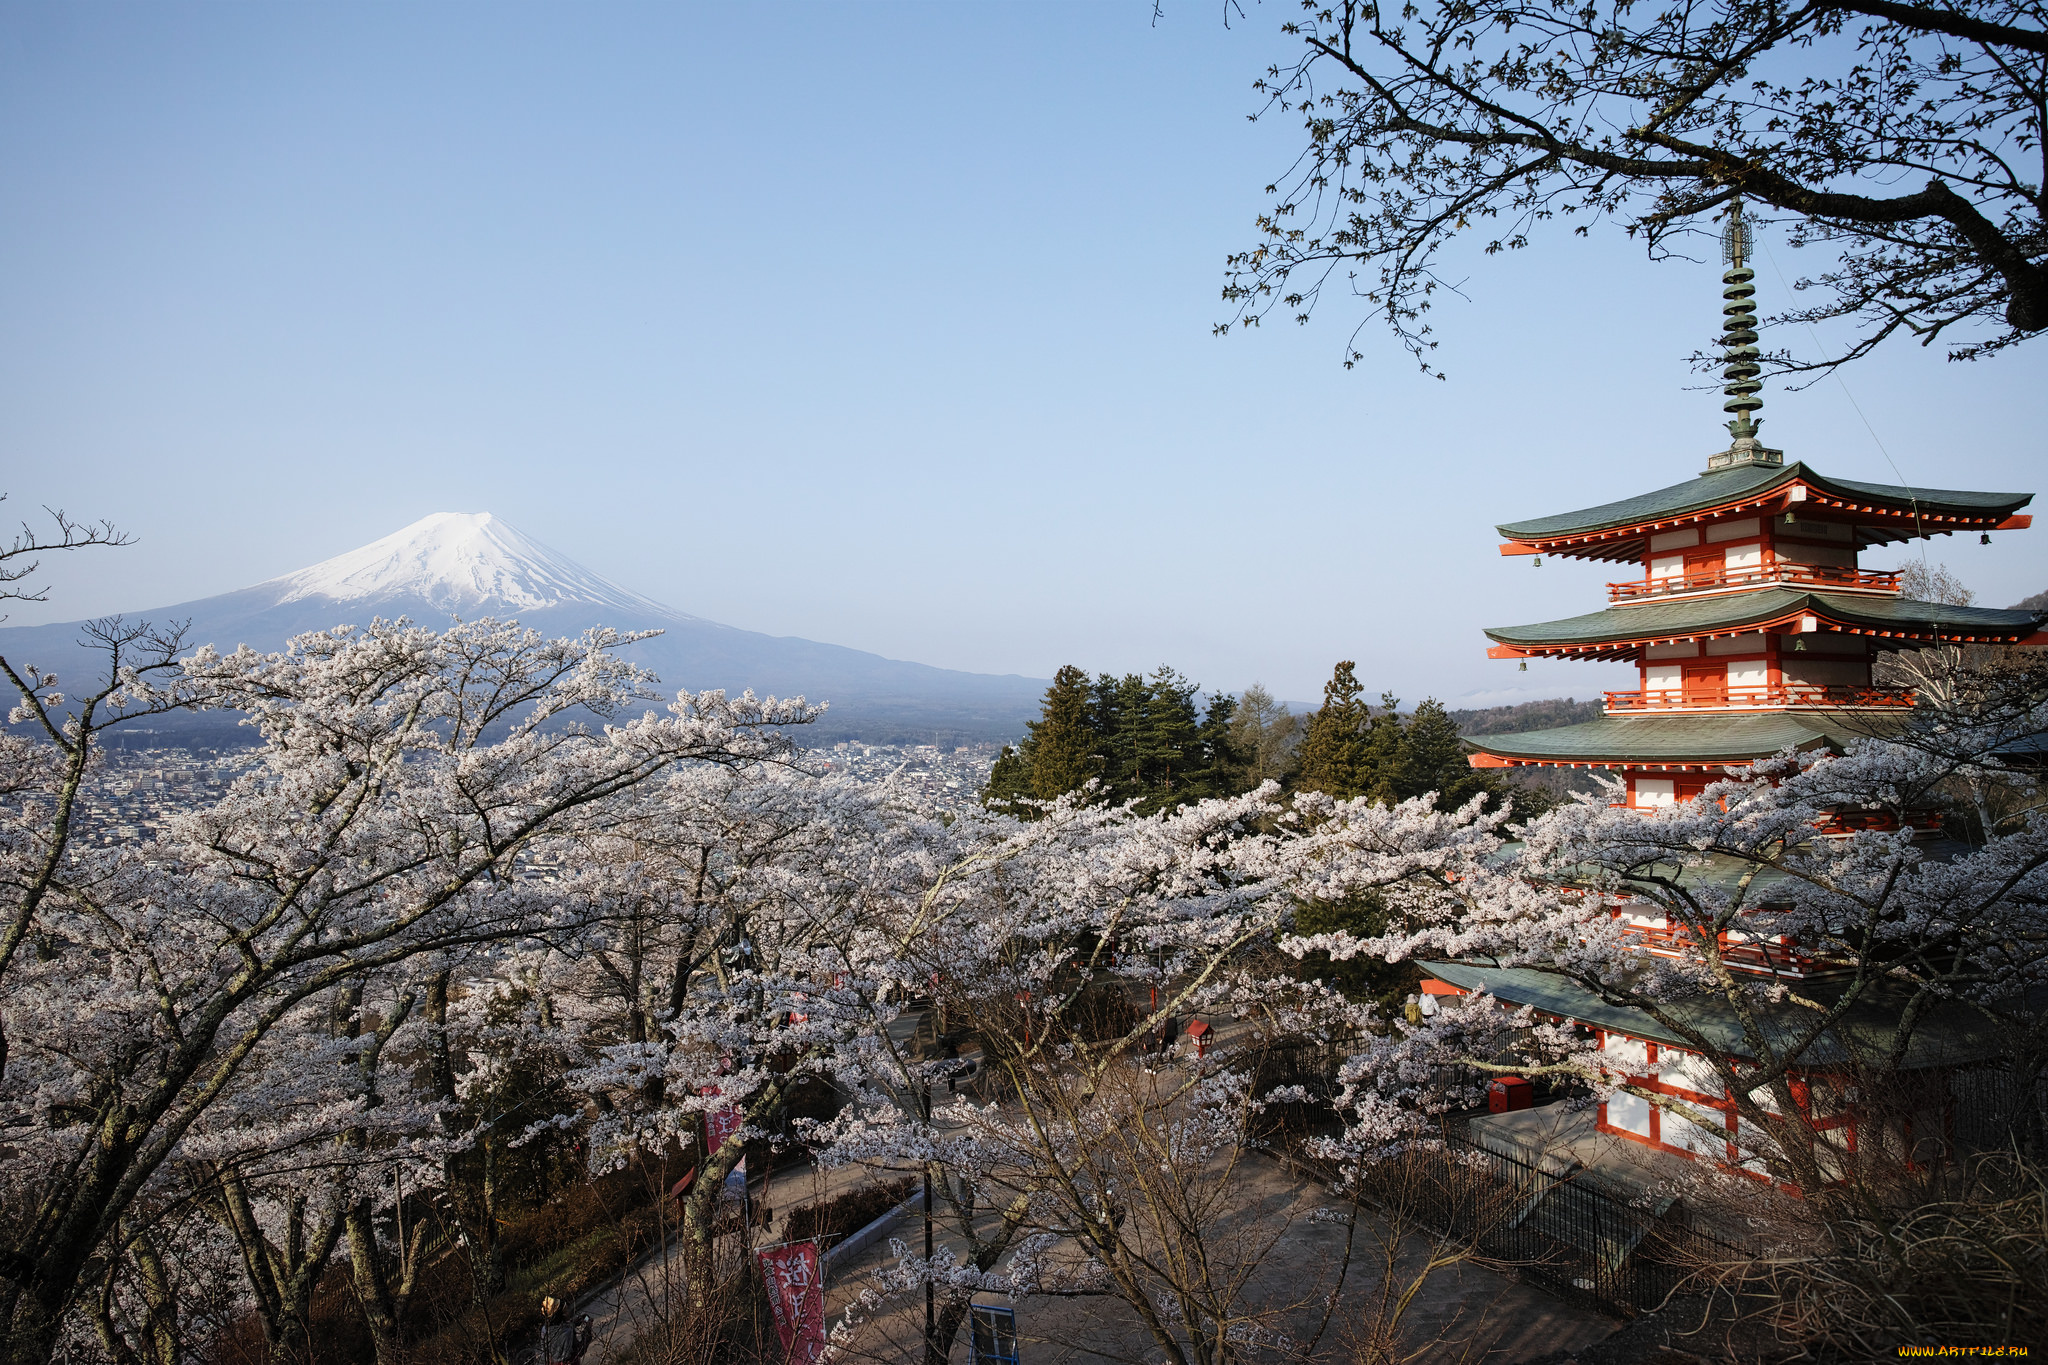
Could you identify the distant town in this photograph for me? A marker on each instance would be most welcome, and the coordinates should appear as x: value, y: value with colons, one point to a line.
x: 138, y: 789
x: 941, y: 775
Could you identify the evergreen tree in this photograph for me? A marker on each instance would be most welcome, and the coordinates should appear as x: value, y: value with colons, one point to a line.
x: 1010, y: 778
x: 1122, y: 736
x: 1063, y: 749
x: 1336, y: 754
x: 1364, y: 977
x: 1431, y: 758
x: 1168, y: 742
x: 1224, y: 769
x: 1143, y: 740
x: 1383, y: 751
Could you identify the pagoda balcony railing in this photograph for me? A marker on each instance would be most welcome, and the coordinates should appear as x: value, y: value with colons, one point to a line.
x: 1762, y: 697
x: 1814, y: 575
x: 1744, y: 952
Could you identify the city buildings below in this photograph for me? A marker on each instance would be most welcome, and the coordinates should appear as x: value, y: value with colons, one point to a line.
x: 948, y: 776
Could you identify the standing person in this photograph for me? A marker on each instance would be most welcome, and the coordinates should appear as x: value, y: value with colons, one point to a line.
x: 582, y: 1338
x: 558, y: 1340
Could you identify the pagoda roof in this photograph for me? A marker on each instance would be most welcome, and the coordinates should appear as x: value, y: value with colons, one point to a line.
x: 1621, y: 630
x: 1616, y: 530
x: 1948, y: 1033
x: 1692, y: 739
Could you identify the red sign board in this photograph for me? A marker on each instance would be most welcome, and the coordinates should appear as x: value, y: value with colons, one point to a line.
x: 796, y: 1293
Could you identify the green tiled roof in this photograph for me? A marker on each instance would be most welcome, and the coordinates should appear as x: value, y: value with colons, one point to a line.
x: 1684, y: 737
x: 1949, y: 1032
x: 1728, y: 485
x: 1754, y: 883
x: 1692, y: 615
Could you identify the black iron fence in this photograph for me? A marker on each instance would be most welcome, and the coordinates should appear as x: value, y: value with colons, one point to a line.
x: 1999, y: 1107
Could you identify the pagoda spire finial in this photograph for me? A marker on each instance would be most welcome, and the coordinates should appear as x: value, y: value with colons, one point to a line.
x: 1739, y: 353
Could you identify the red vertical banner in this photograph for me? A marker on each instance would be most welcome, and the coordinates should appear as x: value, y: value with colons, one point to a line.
x: 796, y: 1293
x: 720, y: 1123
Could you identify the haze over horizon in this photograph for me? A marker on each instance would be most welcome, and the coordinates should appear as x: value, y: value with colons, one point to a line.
x: 903, y: 345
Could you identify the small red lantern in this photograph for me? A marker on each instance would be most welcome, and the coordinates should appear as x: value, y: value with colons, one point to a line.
x: 1508, y: 1094
x: 1199, y: 1031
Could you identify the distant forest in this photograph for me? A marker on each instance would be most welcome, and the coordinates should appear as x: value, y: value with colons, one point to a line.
x: 1529, y: 715
x: 1156, y: 741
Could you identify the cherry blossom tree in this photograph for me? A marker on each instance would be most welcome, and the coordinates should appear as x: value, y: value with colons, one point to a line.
x: 1918, y: 933
x: 308, y: 1145
x: 406, y: 776
x: 17, y: 566
x: 774, y: 903
x: 1072, y: 944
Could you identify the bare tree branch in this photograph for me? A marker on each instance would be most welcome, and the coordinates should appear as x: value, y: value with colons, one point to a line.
x: 71, y: 535
x: 1909, y: 149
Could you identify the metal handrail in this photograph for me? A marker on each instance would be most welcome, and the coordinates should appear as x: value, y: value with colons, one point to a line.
x: 1825, y: 575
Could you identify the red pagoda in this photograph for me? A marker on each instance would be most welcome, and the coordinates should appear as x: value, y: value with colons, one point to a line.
x: 1751, y: 622
x: 1753, y: 627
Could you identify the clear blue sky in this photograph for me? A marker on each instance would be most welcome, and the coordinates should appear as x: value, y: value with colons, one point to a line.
x: 881, y: 325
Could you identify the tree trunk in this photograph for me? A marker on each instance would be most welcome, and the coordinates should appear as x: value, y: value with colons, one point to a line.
x: 373, y: 1288
x: 940, y: 1348
x: 2027, y: 309
x: 932, y: 1354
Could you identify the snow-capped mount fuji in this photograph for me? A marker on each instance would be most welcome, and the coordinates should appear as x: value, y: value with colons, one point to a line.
x: 473, y: 564
x: 464, y: 562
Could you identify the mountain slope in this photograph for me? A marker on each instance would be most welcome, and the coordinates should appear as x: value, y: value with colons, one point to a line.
x: 472, y: 565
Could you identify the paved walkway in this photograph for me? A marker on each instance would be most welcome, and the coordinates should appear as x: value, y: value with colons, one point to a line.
x: 1462, y: 1313
x: 644, y: 1305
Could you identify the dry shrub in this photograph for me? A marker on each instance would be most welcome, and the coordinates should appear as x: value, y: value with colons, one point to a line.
x: 731, y: 1323
x: 847, y: 1213
x: 1967, y: 1270
x: 568, y: 1246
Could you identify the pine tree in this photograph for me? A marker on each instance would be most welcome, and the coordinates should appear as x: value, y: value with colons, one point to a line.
x: 1383, y: 751
x: 1364, y: 977
x: 1224, y: 770
x: 1064, y: 754
x: 1431, y: 758
x: 1122, y: 734
x: 1143, y: 740
x: 1336, y: 746
x: 1168, y: 741
x: 1348, y: 751
x: 1010, y: 777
